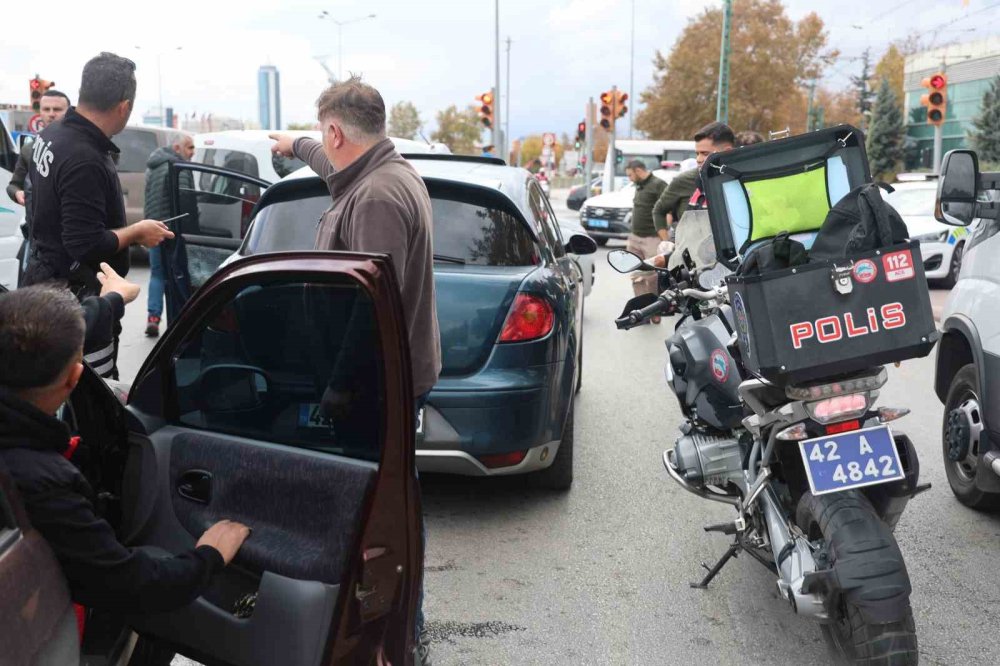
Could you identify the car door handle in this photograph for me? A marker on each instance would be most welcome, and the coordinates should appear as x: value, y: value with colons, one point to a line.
x: 195, y: 485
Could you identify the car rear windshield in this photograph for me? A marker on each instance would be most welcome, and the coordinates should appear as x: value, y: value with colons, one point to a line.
x: 234, y: 160
x: 464, y: 232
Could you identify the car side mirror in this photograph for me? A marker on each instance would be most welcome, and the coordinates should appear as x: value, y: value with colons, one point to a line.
x: 581, y: 244
x: 225, y: 389
x: 624, y: 261
x: 23, y: 140
x: 958, y: 188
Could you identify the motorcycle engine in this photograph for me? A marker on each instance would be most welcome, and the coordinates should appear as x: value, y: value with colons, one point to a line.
x: 707, y: 460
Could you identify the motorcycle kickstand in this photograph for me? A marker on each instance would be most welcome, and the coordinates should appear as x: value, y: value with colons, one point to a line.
x: 732, y: 552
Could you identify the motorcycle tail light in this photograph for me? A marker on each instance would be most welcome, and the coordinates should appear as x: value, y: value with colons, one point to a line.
x: 794, y: 433
x: 869, y: 382
x: 840, y: 408
x: 844, y: 426
x: 530, y: 318
x: 887, y: 414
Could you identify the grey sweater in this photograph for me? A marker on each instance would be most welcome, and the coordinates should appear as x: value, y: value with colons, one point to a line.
x: 381, y: 205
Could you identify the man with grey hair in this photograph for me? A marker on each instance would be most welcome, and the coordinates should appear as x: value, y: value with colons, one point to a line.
x: 381, y: 205
x: 79, y: 212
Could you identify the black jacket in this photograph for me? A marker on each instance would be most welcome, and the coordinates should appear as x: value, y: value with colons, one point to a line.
x: 102, y: 573
x: 103, y: 316
x: 77, y: 200
x: 19, y: 182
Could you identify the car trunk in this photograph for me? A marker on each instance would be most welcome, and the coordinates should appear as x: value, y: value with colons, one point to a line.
x: 472, y: 304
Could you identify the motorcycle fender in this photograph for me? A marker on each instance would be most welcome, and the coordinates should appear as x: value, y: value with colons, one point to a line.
x: 868, y: 565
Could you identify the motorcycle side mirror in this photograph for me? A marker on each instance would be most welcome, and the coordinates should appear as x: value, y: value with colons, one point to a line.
x: 624, y: 261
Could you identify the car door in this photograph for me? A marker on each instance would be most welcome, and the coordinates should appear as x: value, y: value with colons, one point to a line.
x: 11, y: 213
x: 225, y: 422
x: 217, y: 205
x: 37, y: 621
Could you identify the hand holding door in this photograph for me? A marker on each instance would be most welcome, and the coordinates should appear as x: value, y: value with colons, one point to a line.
x: 226, y: 536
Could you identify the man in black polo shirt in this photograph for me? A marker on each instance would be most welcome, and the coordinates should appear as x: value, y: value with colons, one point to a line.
x: 79, y: 211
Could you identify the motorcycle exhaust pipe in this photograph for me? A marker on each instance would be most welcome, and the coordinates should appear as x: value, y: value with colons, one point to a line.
x: 793, y: 558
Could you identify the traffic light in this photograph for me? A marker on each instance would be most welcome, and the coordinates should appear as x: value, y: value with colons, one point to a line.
x: 619, y: 156
x: 936, y: 99
x: 620, y: 108
x: 581, y: 133
x: 607, y: 114
x: 485, y: 109
x: 38, y: 87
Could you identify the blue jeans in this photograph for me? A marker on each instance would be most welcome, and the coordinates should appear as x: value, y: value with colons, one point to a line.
x: 156, y: 282
x: 420, y: 401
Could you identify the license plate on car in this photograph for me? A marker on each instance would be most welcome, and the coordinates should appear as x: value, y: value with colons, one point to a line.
x: 310, y: 416
x: 851, y: 460
x: 598, y: 224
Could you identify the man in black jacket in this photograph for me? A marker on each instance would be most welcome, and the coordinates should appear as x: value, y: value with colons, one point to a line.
x: 41, y: 348
x: 78, y: 208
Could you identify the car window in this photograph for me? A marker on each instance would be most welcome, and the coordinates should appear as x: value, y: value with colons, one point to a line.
x: 136, y: 146
x: 234, y: 160
x: 546, y: 219
x: 263, y: 360
x: 913, y: 201
x: 284, y: 166
x: 466, y: 231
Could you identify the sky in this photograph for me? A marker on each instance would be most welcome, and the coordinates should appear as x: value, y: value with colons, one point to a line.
x: 433, y: 52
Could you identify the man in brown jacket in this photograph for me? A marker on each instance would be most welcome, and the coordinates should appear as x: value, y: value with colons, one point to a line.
x: 380, y: 204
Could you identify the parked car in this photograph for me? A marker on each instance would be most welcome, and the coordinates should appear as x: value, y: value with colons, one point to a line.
x: 11, y: 212
x: 942, y: 246
x: 580, y: 193
x: 220, y: 422
x: 137, y: 143
x: 249, y: 152
x: 509, y: 303
x: 968, y: 361
x: 609, y: 215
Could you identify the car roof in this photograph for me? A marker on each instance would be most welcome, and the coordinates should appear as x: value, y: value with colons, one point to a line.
x: 245, y: 139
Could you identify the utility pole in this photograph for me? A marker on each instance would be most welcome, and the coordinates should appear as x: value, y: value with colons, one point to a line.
x: 497, y: 132
x: 588, y: 147
x: 506, y: 111
x: 722, y: 106
x: 631, y: 74
x: 611, y: 158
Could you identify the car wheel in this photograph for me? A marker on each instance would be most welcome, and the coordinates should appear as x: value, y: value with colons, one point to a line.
x: 601, y: 242
x: 558, y: 475
x: 955, y: 268
x: 963, y: 427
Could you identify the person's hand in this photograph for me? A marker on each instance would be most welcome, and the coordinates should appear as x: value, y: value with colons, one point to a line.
x: 111, y: 282
x: 150, y: 233
x: 659, y: 261
x: 335, y: 404
x: 283, y: 144
x: 19, y: 197
x: 226, y: 536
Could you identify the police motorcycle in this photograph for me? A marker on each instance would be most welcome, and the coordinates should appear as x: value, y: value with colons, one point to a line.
x: 778, y: 370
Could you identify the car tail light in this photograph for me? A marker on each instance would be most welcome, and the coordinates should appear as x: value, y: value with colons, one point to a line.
x: 794, y: 433
x: 530, y: 317
x: 503, y: 459
x: 839, y: 408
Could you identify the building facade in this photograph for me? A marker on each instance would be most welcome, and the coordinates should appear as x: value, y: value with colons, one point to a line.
x: 969, y: 67
x: 269, y: 97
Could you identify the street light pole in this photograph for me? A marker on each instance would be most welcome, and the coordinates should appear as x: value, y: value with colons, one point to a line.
x: 340, y: 37
x: 722, y: 103
x: 159, y: 81
x: 506, y: 111
x: 631, y: 75
x: 497, y: 132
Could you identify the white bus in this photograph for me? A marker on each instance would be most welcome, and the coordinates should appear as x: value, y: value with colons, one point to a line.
x: 656, y: 155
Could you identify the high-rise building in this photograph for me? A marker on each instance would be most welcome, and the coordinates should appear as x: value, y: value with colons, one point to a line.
x: 269, y: 97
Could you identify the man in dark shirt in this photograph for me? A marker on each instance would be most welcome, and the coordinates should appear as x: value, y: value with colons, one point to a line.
x: 647, y: 231
x: 78, y: 208
x: 41, y: 348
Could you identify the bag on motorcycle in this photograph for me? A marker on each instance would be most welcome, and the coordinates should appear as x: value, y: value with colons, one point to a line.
x: 860, y: 221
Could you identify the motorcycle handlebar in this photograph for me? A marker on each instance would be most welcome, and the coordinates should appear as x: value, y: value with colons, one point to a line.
x: 636, y: 317
x: 704, y: 295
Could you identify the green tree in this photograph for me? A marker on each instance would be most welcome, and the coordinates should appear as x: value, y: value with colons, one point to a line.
x: 885, y: 135
x: 862, y: 84
x: 985, y: 135
x: 404, y: 120
x: 890, y: 67
x: 771, y: 59
x: 460, y: 130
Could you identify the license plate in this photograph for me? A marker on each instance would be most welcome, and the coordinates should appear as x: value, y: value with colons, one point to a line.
x: 420, y: 421
x: 851, y: 460
x: 310, y: 416
x: 598, y: 224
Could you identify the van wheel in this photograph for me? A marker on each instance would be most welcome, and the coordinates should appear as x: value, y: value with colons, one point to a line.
x: 955, y: 268
x: 558, y: 475
x: 963, y: 426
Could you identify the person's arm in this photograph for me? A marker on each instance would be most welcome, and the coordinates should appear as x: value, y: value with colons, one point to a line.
x: 661, y: 208
x: 311, y: 152
x: 659, y: 221
x: 15, y: 189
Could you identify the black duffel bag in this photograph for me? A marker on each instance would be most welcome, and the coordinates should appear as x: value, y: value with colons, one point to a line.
x: 860, y: 222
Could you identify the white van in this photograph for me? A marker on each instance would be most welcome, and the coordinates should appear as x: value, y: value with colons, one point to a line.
x: 11, y: 213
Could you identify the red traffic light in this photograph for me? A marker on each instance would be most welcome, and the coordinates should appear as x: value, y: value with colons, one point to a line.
x: 938, y: 81
x: 35, y: 83
x: 581, y: 128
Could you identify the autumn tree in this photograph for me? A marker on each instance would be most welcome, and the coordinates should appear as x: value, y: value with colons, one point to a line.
x: 890, y: 68
x: 885, y: 133
x: 404, y: 120
x: 771, y: 58
x: 458, y: 129
x: 531, y: 149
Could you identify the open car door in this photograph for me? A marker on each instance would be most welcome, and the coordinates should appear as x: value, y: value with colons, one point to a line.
x: 217, y: 205
x: 225, y: 423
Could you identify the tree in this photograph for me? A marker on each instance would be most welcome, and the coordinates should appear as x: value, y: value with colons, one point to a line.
x: 771, y: 56
x: 302, y: 126
x: 985, y: 136
x: 404, y: 120
x: 531, y: 149
x: 460, y: 130
x: 862, y: 84
x: 891, y: 67
x: 885, y: 135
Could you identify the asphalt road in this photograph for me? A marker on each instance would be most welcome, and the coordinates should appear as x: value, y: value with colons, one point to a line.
x: 599, y: 575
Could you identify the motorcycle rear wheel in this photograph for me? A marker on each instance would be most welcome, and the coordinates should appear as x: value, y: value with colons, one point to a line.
x: 861, y: 642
